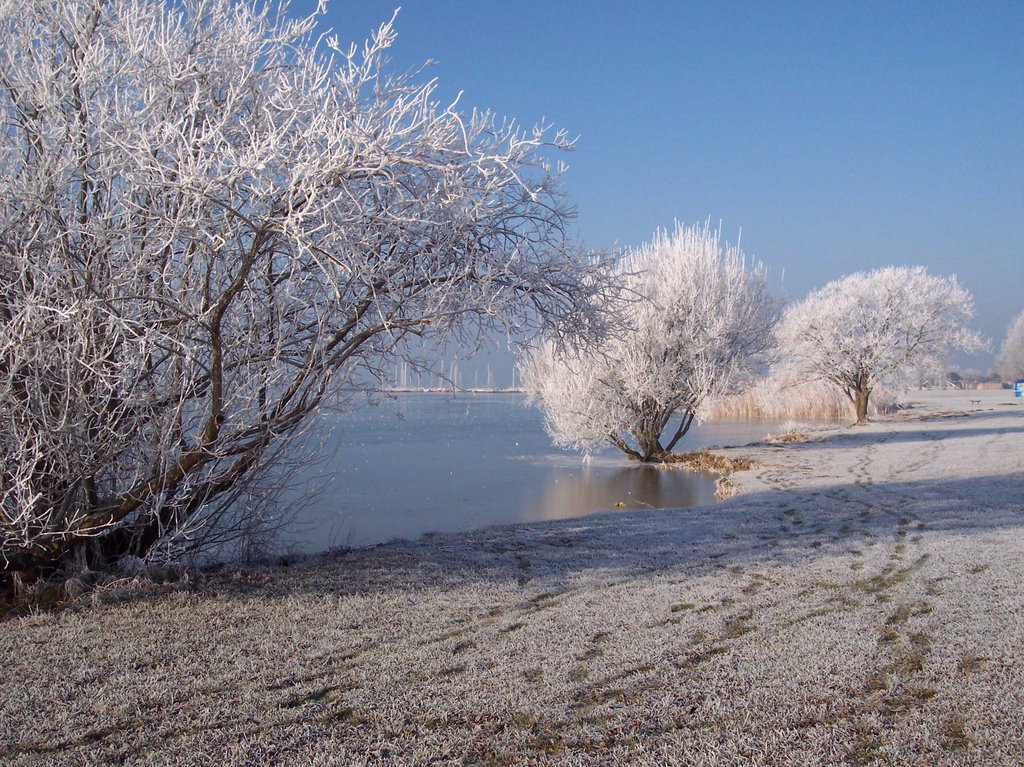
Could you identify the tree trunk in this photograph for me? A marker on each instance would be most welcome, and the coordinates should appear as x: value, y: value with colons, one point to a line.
x: 648, y: 450
x: 647, y: 435
x: 620, y: 443
x: 684, y: 426
x: 651, y: 451
x: 860, y: 402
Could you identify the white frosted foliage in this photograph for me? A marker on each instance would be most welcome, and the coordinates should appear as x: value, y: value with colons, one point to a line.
x: 875, y: 327
x: 1010, y: 363
x: 210, y: 219
x: 697, y: 317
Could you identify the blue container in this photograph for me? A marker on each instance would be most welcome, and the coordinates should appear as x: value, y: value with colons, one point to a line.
x: 1018, y: 389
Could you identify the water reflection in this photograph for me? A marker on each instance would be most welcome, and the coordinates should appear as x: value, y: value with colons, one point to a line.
x: 568, y: 495
x: 436, y: 463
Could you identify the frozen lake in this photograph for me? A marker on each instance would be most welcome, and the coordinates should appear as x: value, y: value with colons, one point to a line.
x: 427, y: 462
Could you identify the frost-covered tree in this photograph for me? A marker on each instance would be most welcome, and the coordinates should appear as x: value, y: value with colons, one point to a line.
x: 875, y: 327
x: 211, y: 218
x: 699, y: 317
x: 1011, y: 354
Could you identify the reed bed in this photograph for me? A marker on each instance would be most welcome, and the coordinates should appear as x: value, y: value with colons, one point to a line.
x: 709, y: 463
x: 814, y: 400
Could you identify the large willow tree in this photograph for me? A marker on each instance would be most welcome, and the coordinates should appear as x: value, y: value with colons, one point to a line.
x: 210, y: 219
x: 697, y: 318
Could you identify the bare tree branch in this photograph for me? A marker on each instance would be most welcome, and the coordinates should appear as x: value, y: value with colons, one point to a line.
x: 210, y: 221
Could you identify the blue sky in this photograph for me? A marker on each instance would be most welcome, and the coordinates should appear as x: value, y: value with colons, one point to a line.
x: 838, y: 136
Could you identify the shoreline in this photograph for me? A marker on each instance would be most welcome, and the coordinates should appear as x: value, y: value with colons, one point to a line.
x: 857, y: 602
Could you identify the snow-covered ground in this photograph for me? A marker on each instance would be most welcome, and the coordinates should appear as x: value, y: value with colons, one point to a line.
x: 861, y: 601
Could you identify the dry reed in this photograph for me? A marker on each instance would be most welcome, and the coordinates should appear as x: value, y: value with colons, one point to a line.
x: 815, y: 400
x: 709, y: 463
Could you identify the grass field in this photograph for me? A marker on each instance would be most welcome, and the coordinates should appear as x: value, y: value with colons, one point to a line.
x: 858, y: 602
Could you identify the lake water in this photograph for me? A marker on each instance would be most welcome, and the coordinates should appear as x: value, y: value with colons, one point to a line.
x: 427, y: 462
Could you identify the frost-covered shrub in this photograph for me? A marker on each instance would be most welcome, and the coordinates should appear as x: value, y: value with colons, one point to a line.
x: 698, y: 317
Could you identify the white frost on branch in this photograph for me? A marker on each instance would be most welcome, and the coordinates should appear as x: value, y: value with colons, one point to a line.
x: 876, y: 327
x: 698, y: 318
x: 209, y: 221
x: 1010, y: 363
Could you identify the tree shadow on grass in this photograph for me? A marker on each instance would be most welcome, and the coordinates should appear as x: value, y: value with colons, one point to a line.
x: 782, y: 526
x: 543, y: 561
x: 858, y: 436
